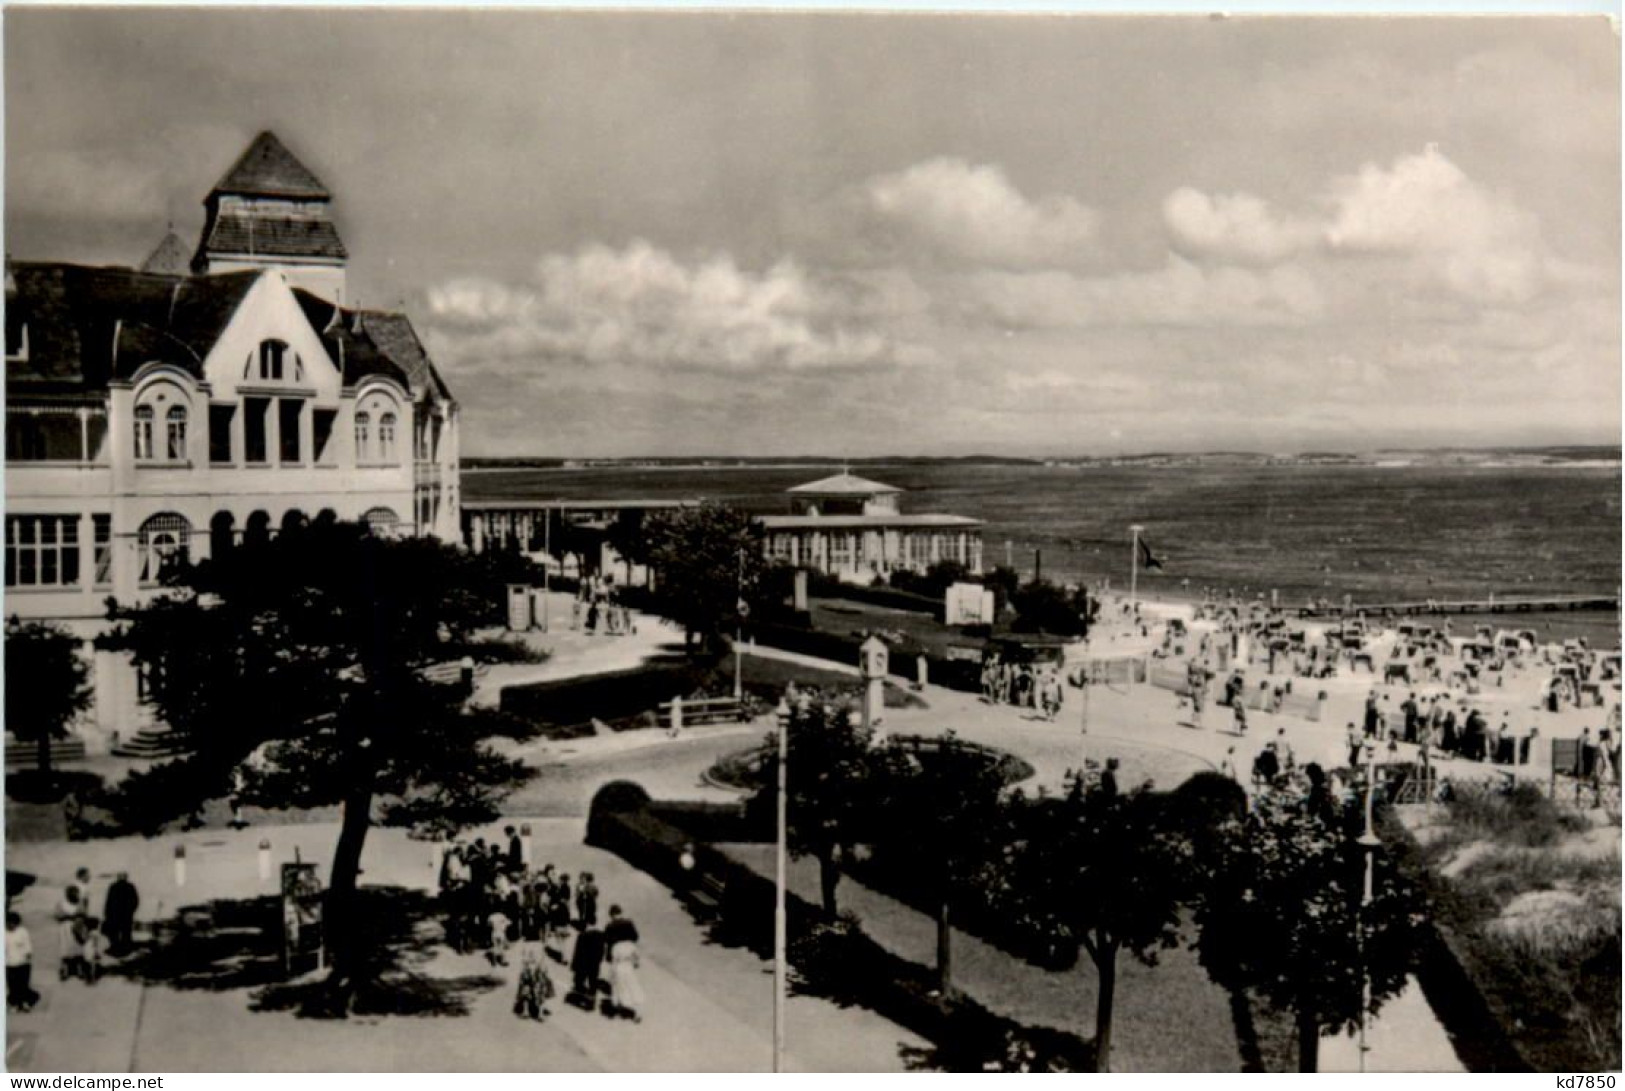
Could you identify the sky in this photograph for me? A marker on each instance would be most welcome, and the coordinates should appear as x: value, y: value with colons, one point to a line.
x: 677, y: 234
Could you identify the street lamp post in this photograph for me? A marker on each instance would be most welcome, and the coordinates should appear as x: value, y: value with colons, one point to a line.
x: 1368, y: 842
x: 739, y: 628
x: 781, y: 854
x: 1134, y: 567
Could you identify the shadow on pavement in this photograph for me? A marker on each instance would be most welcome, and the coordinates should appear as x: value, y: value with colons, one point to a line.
x: 237, y: 944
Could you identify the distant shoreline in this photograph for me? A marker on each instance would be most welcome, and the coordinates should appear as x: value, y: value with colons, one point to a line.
x: 1387, y: 462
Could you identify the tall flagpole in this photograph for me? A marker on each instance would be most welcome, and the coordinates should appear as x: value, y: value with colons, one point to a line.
x: 1134, y: 568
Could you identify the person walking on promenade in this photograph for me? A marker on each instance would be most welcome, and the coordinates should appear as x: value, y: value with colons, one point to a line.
x: 1238, y: 704
x: 586, y: 902
x: 20, y: 994
x: 1356, y: 745
x: 586, y: 964
x: 515, y: 861
x: 1227, y: 767
x: 535, y: 986
x: 118, y: 915
x: 626, y: 991
x: 1372, y: 715
x: 1108, y: 779
x: 70, y: 918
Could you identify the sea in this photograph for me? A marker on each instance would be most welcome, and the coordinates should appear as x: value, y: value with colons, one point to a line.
x: 1299, y: 532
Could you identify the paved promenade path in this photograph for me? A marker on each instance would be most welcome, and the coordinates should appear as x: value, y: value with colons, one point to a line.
x: 709, y: 1007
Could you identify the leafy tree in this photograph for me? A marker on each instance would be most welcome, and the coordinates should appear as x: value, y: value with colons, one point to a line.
x: 47, y: 685
x: 1042, y: 607
x: 708, y: 559
x: 937, y: 815
x: 297, y: 666
x: 832, y: 767
x: 626, y: 537
x: 1094, y: 867
x: 1281, y: 914
x: 1003, y: 582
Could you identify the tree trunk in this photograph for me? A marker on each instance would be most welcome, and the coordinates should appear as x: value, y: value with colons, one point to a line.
x: 42, y: 755
x: 1308, y: 1038
x: 829, y: 875
x: 945, y: 972
x: 342, y: 929
x: 1106, y: 963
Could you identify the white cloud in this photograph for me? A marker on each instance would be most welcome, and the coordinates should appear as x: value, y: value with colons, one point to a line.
x: 973, y: 212
x: 1180, y: 293
x: 640, y: 306
x: 1234, y: 227
x: 1481, y: 244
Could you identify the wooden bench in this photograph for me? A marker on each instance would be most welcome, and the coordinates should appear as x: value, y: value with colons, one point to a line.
x: 705, y: 710
x: 706, y: 895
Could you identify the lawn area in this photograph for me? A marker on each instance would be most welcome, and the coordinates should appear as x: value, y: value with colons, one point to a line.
x: 1531, y: 894
x: 845, y: 617
x: 1169, y: 1017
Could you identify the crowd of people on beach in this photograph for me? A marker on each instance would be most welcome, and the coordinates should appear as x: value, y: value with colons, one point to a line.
x: 494, y: 902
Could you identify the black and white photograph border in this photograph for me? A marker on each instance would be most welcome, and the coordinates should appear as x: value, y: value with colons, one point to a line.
x: 720, y: 540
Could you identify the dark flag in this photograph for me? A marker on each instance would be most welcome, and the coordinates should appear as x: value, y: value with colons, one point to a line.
x: 1148, y: 560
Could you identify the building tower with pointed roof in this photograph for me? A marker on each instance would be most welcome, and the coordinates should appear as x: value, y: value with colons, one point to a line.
x: 270, y: 212
x: 157, y: 417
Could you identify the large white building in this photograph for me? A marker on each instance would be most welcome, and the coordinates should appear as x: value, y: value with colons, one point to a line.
x: 163, y: 413
x: 853, y: 529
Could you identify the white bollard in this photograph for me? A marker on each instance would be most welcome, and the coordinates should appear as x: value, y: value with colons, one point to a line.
x: 265, y: 860
x: 524, y: 843
x: 180, y: 865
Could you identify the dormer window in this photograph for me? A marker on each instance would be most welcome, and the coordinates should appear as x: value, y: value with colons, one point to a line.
x: 274, y: 362
x: 272, y: 354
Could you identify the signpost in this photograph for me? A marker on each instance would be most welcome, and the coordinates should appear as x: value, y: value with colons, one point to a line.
x: 301, y: 917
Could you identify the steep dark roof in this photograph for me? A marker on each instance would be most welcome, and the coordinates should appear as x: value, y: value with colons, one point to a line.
x: 268, y: 169
x: 393, y: 333
x: 355, y: 350
x: 87, y: 325
x: 273, y: 236
x: 169, y: 256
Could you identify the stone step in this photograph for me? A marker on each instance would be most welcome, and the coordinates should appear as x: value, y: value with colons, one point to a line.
x: 149, y: 743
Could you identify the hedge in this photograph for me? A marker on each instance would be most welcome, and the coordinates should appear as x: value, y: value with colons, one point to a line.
x: 836, y: 960
x: 879, y: 596
x: 567, y: 703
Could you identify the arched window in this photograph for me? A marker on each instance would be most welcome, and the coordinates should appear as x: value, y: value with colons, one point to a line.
x: 363, y: 425
x: 386, y: 437
x: 382, y: 522
x: 163, y: 544
x: 143, y: 431
x: 175, y: 433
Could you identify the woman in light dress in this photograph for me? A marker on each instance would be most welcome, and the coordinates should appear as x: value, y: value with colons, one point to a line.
x: 626, y: 991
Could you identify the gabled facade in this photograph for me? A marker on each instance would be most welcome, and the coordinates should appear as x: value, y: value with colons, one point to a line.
x: 158, y: 416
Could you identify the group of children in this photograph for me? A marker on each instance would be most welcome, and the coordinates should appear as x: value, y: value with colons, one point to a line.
x: 493, y: 902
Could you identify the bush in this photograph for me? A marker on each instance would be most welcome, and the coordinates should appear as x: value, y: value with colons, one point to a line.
x: 1523, y: 816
